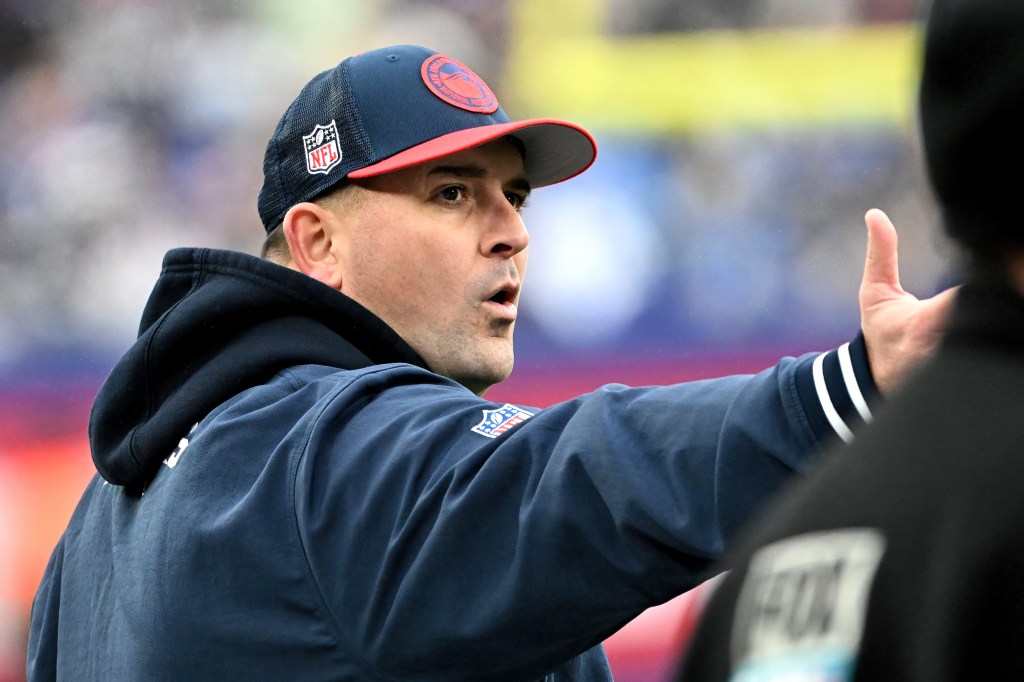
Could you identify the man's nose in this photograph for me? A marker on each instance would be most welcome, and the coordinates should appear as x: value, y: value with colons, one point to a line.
x: 508, y: 235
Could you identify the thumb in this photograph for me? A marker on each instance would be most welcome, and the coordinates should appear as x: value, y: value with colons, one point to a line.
x: 881, y: 266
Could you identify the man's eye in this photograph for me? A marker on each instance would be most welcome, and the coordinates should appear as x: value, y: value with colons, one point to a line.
x: 518, y: 201
x: 453, y: 193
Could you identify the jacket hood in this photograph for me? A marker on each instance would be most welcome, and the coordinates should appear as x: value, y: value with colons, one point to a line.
x: 217, y: 323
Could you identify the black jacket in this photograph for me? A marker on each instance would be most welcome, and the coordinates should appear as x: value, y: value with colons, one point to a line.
x: 903, y: 558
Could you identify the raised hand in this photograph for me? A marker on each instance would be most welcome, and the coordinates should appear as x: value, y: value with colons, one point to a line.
x: 900, y: 330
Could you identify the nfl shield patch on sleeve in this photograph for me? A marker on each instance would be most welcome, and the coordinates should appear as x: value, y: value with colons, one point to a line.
x: 497, y: 422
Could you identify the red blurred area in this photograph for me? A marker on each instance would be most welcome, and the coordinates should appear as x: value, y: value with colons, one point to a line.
x: 44, y: 466
x: 649, y: 647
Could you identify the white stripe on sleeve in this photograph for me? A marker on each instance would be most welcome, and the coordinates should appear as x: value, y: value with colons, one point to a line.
x: 838, y: 425
x: 846, y: 364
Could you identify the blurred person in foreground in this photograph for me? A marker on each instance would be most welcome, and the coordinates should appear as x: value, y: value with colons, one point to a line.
x: 300, y: 479
x: 902, y: 556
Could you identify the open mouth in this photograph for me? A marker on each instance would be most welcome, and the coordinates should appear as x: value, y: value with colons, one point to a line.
x: 504, y: 296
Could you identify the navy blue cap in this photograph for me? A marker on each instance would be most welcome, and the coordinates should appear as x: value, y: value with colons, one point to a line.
x: 396, y: 107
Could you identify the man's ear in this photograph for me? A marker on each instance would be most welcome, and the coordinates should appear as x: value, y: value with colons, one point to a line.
x: 311, y: 230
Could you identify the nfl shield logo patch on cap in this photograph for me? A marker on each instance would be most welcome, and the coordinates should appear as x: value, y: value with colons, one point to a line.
x: 497, y: 422
x: 322, y: 150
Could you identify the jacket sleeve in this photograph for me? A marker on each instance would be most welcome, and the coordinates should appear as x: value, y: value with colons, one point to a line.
x: 444, y: 546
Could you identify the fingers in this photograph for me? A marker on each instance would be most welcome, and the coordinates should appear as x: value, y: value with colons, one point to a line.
x: 882, y: 263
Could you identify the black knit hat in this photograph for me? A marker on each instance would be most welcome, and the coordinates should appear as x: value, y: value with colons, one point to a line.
x: 972, y: 118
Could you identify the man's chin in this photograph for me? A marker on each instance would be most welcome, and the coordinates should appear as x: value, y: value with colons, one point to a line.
x: 478, y: 367
x: 481, y: 381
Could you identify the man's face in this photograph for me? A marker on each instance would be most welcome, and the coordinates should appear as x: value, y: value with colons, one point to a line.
x: 438, y: 251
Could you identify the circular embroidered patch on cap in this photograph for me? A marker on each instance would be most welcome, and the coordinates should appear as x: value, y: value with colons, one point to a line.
x: 457, y: 85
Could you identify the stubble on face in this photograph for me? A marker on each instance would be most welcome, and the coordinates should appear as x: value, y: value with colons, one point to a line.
x: 421, y: 270
x: 477, y: 351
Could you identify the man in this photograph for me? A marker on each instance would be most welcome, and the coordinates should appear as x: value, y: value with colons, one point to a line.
x: 901, y: 558
x: 298, y: 478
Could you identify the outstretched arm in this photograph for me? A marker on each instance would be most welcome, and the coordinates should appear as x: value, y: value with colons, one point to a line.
x: 900, y: 330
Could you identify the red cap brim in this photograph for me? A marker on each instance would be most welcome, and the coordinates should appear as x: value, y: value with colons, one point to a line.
x: 553, y: 150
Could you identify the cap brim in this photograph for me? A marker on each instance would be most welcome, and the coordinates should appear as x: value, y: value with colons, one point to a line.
x: 554, y: 150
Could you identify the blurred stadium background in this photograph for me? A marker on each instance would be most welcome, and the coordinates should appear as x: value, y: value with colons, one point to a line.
x: 741, y: 142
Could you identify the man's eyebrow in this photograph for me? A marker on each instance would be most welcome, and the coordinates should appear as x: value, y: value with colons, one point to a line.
x: 459, y: 171
x: 519, y: 183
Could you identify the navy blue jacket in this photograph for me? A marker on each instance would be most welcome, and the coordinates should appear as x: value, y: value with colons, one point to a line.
x: 285, y: 492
